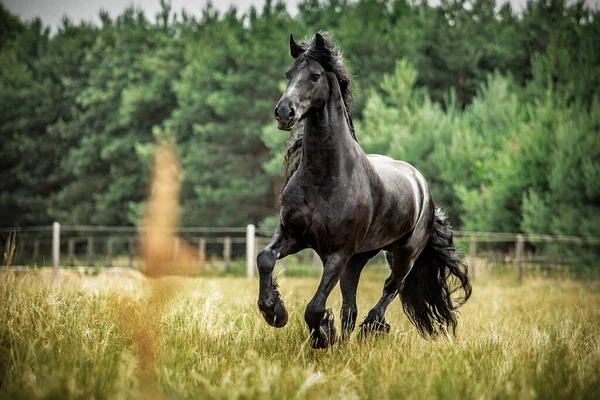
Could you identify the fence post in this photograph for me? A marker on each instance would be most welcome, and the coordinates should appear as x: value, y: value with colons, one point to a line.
x: 71, y: 250
x: 90, y: 251
x: 109, y: 251
x: 250, y: 250
x: 202, y: 251
x: 55, y: 250
x: 176, y: 244
x: 227, y: 252
x: 20, y: 249
x: 131, y: 252
x: 473, y: 255
x: 519, y: 256
x: 7, y: 252
x: 36, y: 250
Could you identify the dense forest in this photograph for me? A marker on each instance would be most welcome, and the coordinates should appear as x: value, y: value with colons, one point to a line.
x: 500, y: 110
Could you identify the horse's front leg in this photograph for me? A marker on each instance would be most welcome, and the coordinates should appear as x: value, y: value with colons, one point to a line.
x: 319, y: 320
x: 269, y: 301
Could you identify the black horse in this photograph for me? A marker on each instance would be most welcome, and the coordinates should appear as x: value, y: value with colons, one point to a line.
x: 348, y: 206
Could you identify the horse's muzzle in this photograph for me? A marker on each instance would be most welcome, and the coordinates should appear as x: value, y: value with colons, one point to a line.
x: 286, y: 115
x: 286, y: 125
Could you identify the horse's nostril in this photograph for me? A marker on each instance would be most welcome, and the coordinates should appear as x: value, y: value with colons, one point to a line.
x: 276, y: 113
x: 292, y: 112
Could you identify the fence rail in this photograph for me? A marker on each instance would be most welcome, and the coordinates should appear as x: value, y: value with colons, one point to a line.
x: 77, y: 245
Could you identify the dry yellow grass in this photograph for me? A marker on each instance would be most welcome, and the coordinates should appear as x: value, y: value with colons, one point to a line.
x: 175, y: 337
x: 112, y: 338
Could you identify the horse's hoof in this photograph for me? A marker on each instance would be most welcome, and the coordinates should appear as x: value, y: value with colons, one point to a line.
x: 374, y: 327
x: 325, y: 336
x: 275, y: 314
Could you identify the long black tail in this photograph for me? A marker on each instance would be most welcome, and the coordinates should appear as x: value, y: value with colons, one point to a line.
x: 438, y: 283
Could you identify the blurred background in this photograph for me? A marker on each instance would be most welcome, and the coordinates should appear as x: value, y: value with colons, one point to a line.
x: 495, y: 102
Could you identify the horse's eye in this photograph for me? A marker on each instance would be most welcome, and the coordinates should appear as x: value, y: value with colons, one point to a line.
x: 315, y: 77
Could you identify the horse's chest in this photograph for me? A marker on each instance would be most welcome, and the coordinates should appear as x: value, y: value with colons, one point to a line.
x: 316, y: 213
x: 303, y: 208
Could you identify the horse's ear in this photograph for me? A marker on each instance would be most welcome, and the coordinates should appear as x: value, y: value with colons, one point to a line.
x: 295, y: 48
x: 319, y: 41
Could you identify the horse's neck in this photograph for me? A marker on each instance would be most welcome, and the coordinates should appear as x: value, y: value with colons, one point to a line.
x: 327, y: 144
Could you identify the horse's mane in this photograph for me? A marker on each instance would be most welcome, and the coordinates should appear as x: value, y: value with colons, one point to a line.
x: 331, y: 60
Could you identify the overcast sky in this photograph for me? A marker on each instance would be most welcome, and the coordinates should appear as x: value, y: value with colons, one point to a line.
x: 51, y: 11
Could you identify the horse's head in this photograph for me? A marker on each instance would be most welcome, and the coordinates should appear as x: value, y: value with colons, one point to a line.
x: 308, y: 87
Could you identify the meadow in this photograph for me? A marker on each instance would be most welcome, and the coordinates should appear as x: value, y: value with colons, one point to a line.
x: 174, y: 337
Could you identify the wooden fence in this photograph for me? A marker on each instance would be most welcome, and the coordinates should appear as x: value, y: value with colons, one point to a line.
x: 72, y: 246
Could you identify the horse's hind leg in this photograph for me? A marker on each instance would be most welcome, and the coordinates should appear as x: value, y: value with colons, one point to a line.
x: 375, y: 321
x: 348, y: 285
x: 400, y: 265
x: 269, y: 302
x: 401, y: 257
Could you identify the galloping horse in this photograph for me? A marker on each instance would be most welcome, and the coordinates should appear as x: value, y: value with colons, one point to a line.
x: 349, y: 206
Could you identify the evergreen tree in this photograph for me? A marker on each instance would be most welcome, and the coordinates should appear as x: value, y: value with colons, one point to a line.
x: 131, y: 65
x: 498, y: 109
x: 39, y: 80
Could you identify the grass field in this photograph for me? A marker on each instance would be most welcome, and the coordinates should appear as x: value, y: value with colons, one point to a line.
x: 204, y: 338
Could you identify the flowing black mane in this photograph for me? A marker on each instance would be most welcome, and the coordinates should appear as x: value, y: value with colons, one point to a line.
x: 331, y: 60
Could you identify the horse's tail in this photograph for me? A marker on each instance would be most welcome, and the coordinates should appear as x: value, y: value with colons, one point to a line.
x: 438, y: 273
